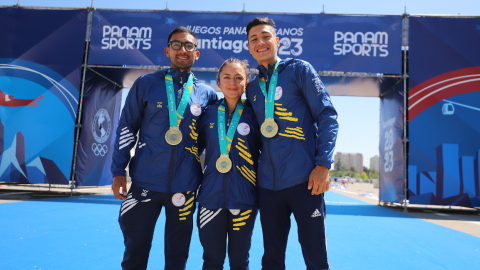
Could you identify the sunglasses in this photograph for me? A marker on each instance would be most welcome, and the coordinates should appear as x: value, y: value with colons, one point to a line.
x: 177, y: 45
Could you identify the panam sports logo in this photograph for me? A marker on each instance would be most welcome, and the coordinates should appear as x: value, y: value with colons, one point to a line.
x: 361, y: 44
x: 126, y: 38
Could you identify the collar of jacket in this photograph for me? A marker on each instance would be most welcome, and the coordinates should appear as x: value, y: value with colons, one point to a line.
x: 281, y: 66
x: 176, y: 75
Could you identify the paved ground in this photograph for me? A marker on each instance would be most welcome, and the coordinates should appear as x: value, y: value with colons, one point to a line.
x: 16, y: 193
x: 462, y: 219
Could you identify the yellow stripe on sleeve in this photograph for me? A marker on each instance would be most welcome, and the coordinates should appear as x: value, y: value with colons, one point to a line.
x: 239, y: 224
x: 240, y: 140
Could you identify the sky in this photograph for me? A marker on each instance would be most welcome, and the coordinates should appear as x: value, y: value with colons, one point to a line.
x: 358, y: 116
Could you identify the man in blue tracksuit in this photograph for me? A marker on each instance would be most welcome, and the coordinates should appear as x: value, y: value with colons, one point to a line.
x: 162, y: 109
x: 299, y: 130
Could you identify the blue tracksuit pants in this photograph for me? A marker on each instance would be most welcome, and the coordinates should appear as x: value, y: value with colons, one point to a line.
x: 276, y: 208
x: 138, y: 216
x: 214, y: 225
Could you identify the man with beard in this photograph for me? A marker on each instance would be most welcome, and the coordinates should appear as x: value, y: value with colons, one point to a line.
x: 163, y: 109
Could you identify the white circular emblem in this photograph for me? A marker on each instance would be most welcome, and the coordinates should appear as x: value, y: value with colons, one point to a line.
x: 178, y: 199
x: 101, y: 126
x: 196, y: 109
x: 243, y: 129
x: 278, y: 93
x: 235, y: 211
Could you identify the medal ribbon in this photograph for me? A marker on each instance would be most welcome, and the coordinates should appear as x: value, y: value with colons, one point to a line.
x: 226, y: 141
x: 270, y: 96
x: 176, y: 115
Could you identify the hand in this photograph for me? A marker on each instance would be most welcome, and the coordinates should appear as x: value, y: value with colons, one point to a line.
x: 319, y: 181
x: 119, y: 182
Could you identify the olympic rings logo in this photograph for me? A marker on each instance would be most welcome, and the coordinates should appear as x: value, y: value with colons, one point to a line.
x: 99, y: 149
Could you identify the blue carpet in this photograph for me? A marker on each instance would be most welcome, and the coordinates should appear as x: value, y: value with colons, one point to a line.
x: 83, y: 233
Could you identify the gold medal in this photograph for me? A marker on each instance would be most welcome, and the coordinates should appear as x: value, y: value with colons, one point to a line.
x: 269, y: 128
x: 224, y: 164
x: 173, y: 136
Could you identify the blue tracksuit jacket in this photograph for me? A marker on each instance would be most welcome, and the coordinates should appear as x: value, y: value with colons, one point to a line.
x: 157, y: 165
x: 307, y: 124
x: 235, y: 189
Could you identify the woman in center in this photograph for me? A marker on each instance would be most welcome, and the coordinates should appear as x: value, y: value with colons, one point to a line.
x: 228, y: 194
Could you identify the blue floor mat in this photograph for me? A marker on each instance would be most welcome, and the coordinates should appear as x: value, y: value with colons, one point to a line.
x: 83, y: 233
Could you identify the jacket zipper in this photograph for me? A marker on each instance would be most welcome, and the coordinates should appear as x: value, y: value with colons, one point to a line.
x: 271, y: 161
x: 225, y: 179
x: 225, y: 202
x: 270, y: 154
x: 173, y: 150
x: 171, y: 170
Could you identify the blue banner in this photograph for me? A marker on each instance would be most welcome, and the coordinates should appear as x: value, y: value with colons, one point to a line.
x: 391, y: 146
x: 100, y: 120
x: 329, y: 42
x: 444, y: 111
x: 39, y: 82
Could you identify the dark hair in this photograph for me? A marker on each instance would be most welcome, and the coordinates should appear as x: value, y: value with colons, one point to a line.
x: 260, y: 21
x: 243, y: 63
x: 181, y: 29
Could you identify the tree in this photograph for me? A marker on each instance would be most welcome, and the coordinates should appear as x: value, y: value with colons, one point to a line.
x: 338, y: 166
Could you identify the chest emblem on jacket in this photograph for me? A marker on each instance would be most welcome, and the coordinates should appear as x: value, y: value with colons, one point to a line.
x: 278, y: 93
x: 243, y: 129
x: 196, y: 109
x: 255, y: 98
x: 159, y: 104
x: 211, y: 125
